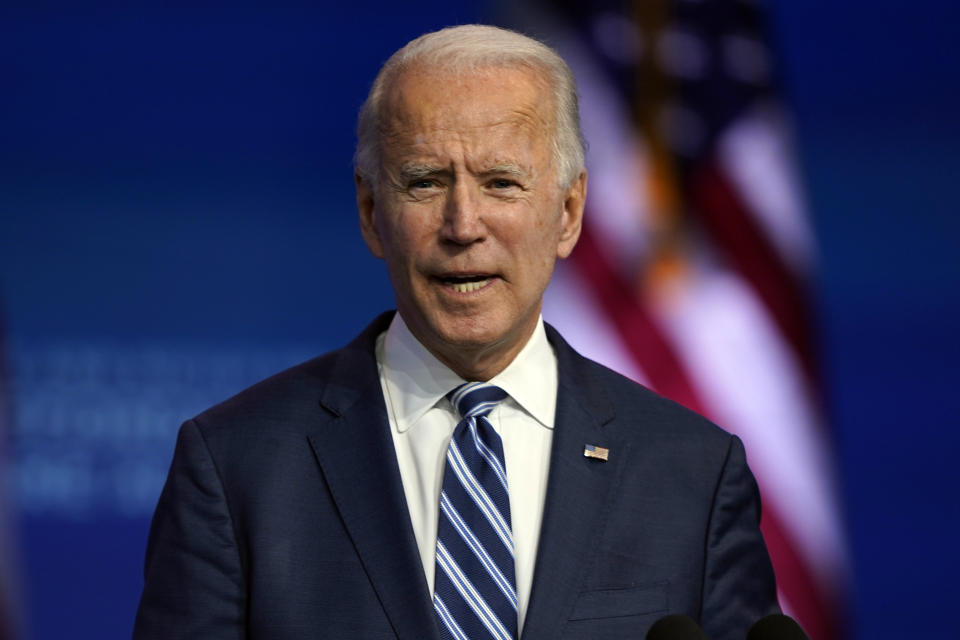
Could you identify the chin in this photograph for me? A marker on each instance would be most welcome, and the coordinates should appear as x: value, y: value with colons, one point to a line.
x: 469, y: 333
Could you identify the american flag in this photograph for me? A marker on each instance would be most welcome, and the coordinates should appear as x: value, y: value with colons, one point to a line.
x: 599, y: 453
x: 693, y: 271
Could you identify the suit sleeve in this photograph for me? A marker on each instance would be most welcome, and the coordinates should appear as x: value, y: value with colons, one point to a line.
x: 739, y: 586
x: 194, y: 585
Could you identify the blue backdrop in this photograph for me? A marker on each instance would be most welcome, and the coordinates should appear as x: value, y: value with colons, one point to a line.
x: 177, y: 221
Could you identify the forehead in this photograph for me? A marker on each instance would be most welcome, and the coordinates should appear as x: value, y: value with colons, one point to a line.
x: 491, y: 104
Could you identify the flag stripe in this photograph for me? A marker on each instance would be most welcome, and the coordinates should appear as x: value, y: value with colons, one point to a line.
x: 735, y: 231
x: 636, y: 328
x: 814, y: 604
x: 713, y: 314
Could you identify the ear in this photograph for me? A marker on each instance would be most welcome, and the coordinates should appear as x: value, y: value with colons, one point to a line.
x: 367, y: 209
x: 573, y: 203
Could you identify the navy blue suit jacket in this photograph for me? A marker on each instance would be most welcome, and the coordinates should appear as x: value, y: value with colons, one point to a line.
x: 284, y: 516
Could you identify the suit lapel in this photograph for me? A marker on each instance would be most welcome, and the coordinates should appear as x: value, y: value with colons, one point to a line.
x: 356, y: 453
x: 578, y: 490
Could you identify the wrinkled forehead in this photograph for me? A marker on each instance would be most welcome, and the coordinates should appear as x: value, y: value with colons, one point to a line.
x: 419, y: 101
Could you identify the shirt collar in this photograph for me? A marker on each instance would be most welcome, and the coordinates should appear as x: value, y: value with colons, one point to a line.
x: 416, y: 381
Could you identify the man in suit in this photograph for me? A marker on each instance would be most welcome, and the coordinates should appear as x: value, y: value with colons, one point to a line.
x: 309, y: 506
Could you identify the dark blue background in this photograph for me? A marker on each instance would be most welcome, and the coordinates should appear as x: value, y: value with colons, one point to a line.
x: 177, y: 181
x: 880, y: 139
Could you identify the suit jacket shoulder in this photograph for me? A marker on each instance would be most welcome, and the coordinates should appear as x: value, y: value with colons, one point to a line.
x: 272, y: 521
x: 332, y: 381
x: 669, y: 524
x: 625, y: 404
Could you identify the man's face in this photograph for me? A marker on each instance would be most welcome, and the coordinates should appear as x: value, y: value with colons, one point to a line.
x: 468, y: 212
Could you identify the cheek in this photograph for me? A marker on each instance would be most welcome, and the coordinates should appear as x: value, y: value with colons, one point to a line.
x: 402, y: 240
x: 538, y: 254
x: 543, y: 240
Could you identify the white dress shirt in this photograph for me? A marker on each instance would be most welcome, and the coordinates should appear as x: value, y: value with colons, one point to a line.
x: 422, y: 421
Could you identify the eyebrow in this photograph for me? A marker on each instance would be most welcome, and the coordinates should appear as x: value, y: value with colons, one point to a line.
x: 415, y: 171
x: 505, y: 168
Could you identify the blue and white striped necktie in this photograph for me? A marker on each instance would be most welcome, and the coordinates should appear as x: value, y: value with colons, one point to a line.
x: 475, y: 596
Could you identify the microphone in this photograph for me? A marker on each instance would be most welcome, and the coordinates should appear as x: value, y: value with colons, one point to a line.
x: 676, y: 626
x: 776, y: 627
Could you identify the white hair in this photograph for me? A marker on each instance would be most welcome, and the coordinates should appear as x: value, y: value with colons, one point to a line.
x: 467, y: 49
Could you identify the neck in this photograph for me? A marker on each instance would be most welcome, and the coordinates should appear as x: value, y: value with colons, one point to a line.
x: 478, y: 362
x: 481, y: 364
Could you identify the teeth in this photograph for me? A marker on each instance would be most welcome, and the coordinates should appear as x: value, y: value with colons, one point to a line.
x: 467, y: 287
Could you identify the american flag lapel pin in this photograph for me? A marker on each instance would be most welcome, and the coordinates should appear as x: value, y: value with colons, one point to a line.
x: 593, y: 451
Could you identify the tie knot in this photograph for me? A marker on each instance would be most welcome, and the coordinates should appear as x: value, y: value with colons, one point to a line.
x: 476, y: 398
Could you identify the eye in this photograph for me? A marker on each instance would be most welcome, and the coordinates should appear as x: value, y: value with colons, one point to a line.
x: 423, y: 187
x: 502, y: 183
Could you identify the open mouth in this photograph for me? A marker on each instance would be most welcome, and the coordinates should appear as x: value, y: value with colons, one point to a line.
x: 466, y: 283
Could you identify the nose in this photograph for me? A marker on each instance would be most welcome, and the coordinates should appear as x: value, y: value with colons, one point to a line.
x: 462, y: 220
